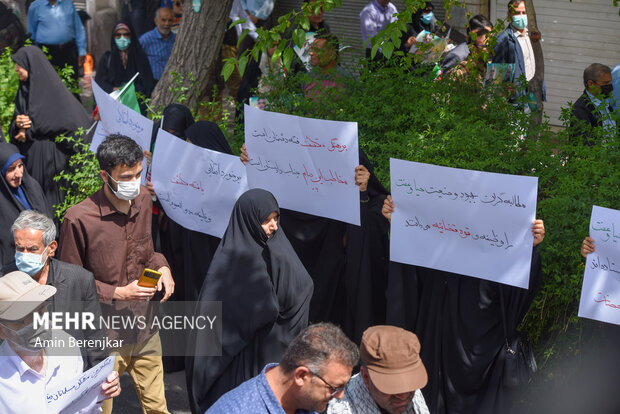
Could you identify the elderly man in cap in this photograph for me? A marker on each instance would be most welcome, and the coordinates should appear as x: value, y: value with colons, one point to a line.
x: 390, y: 377
x: 27, y: 366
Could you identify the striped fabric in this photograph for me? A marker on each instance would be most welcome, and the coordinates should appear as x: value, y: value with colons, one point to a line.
x: 157, y: 50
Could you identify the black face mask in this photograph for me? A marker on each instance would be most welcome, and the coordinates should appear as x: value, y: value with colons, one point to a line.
x: 606, y: 90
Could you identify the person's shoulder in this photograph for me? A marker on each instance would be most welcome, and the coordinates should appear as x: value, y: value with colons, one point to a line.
x: 243, y: 399
x: 147, y: 36
x: 73, y: 271
x: 84, y: 207
x: 368, y: 9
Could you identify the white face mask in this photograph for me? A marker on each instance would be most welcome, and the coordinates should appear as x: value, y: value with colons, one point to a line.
x: 126, y: 190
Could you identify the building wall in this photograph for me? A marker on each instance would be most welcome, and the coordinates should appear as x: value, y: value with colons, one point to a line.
x: 575, y: 34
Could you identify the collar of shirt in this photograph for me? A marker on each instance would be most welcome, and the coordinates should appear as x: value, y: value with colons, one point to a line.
x: 518, y: 33
x: 106, y: 208
x: 380, y: 7
x: 161, y: 37
x: 18, y: 363
x: 595, y: 101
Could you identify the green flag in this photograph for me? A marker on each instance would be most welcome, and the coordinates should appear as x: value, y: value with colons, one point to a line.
x: 129, y: 98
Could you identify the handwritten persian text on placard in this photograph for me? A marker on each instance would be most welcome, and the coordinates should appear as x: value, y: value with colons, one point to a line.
x: 600, y: 294
x: 308, y: 164
x: 197, y: 187
x: 462, y: 221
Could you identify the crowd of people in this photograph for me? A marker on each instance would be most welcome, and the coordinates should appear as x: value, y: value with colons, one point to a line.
x: 306, y: 300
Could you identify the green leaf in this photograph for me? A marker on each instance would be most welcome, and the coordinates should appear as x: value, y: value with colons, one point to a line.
x: 375, y: 48
x: 236, y: 22
x: 228, y: 68
x: 299, y: 37
x: 387, y: 49
x: 243, y: 62
x: 288, y: 57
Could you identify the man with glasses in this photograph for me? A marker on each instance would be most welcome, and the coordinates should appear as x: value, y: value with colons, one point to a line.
x: 390, y: 377
x: 315, y: 368
x: 28, y: 366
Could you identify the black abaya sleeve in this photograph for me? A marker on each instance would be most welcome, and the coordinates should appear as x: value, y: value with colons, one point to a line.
x: 104, y: 77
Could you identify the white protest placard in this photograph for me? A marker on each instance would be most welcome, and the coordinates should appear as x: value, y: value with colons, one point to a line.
x: 467, y: 222
x: 308, y: 164
x: 197, y: 187
x: 600, y: 293
x: 117, y: 118
x: 82, y: 391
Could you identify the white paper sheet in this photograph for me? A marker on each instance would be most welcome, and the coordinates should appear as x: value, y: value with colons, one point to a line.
x: 82, y: 391
x: 308, y: 164
x: 600, y: 294
x: 467, y: 222
x: 117, y: 118
x: 197, y: 187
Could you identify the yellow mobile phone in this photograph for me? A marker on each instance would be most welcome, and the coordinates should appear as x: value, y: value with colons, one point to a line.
x: 149, y: 278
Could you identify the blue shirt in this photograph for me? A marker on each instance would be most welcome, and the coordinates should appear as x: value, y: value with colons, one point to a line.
x: 158, y: 50
x: 253, y: 396
x: 259, y: 8
x: 374, y: 18
x: 615, y: 80
x: 56, y: 25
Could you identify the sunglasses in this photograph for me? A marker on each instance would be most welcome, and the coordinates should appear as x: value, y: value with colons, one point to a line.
x: 119, y: 35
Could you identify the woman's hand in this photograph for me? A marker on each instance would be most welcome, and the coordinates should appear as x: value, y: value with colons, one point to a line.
x: 538, y: 231
x: 244, y: 155
x: 388, y: 208
x: 21, y: 135
x: 23, y: 121
x: 587, y: 246
x: 362, y: 175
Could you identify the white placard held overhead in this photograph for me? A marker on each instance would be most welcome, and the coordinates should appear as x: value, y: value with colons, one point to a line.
x: 600, y: 294
x: 117, y: 118
x: 197, y: 187
x: 82, y: 391
x: 308, y: 164
x: 467, y: 222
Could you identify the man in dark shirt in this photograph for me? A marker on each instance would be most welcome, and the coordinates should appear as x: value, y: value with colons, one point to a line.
x: 35, y: 244
x: 109, y: 234
x: 595, y: 107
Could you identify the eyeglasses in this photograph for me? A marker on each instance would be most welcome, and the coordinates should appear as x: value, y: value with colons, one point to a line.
x: 334, y: 390
x: 119, y: 35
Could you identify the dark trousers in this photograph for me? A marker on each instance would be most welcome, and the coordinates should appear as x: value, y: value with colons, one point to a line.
x: 66, y: 53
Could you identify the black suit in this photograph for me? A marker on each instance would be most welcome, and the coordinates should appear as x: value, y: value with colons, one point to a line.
x: 75, y: 284
x: 584, y: 116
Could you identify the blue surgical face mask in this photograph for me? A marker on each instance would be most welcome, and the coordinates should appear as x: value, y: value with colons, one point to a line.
x: 427, y: 18
x: 122, y: 42
x: 30, y: 263
x: 519, y: 22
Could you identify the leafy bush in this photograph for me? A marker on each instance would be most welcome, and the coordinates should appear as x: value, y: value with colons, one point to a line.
x: 8, y: 89
x: 406, y: 114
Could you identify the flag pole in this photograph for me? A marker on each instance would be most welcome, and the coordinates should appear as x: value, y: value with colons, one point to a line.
x: 127, y: 85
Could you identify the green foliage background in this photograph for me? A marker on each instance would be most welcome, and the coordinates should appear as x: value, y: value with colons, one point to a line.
x: 407, y: 115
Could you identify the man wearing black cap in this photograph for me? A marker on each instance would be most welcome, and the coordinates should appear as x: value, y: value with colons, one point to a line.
x: 390, y: 377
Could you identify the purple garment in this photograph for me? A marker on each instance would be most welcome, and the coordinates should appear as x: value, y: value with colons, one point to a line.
x: 374, y: 18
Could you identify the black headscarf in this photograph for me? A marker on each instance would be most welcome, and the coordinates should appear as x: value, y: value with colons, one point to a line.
x: 45, y: 99
x: 265, y: 293
x: 176, y: 118
x: 112, y: 74
x: 208, y: 135
x: 10, y: 205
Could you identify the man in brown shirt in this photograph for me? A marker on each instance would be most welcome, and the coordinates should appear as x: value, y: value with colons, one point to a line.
x: 109, y: 234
